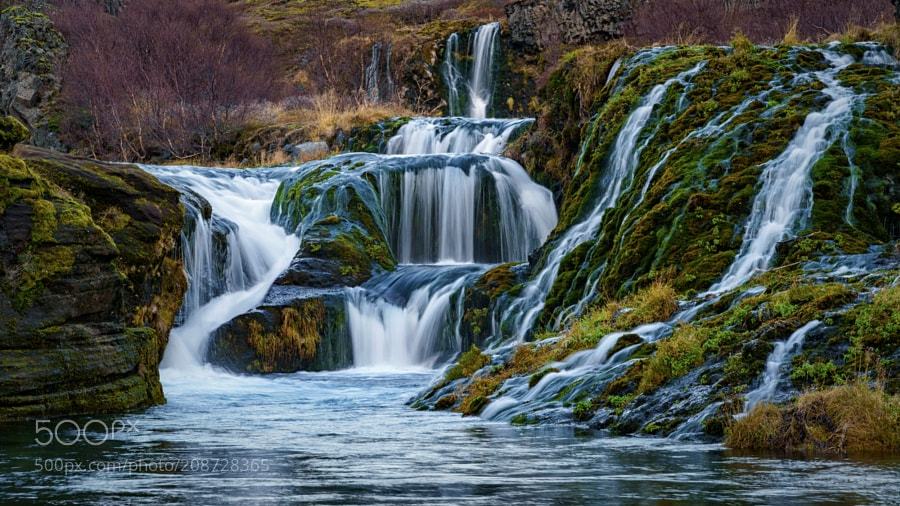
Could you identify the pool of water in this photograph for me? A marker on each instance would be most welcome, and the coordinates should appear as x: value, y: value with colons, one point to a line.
x: 348, y: 438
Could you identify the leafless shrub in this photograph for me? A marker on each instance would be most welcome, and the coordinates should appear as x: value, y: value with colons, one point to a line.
x: 169, y: 79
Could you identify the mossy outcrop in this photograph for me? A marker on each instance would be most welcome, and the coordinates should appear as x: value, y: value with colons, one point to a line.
x: 334, y: 207
x: 90, y: 284
x: 12, y: 132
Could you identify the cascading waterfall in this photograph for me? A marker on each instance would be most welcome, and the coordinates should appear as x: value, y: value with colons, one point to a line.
x: 464, y: 209
x: 253, y: 252
x: 478, y: 66
x: 378, y: 81
x: 404, y: 320
x: 453, y: 78
x: 461, y: 212
x: 617, y: 178
x: 481, y: 84
x: 785, y: 199
x: 781, y: 205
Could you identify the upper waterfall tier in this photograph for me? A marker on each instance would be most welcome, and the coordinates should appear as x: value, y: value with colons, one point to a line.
x: 423, y: 136
x: 470, y: 77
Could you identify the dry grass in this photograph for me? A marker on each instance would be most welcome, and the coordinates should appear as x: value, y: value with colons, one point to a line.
x: 792, y: 34
x: 327, y: 113
x: 852, y: 418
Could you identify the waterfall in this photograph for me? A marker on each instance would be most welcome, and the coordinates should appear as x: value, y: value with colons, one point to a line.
x: 455, y: 135
x: 230, y: 275
x: 783, y: 352
x: 478, y: 66
x: 617, y: 178
x: 463, y: 209
x: 481, y: 83
x: 453, y: 78
x: 784, y: 200
x: 403, y: 319
x: 378, y: 82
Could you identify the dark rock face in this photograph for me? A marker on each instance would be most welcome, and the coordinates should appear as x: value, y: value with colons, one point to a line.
x: 89, y: 284
x: 295, y: 329
x: 536, y: 24
x: 31, y: 51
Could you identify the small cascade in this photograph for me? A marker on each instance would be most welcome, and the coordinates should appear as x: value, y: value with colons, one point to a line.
x: 232, y: 251
x: 618, y: 177
x: 407, y: 318
x: 453, y: 78
x: 586, y: 369
x: 378, y: 81
x: 455, y: 135
x: 471, y: 74
x: 784, y: 200
x: 780, y: 356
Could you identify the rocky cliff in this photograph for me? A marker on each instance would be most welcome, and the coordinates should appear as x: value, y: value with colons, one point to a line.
x: 31, y: 51
x: 90, y: 284
x: 537, y: 24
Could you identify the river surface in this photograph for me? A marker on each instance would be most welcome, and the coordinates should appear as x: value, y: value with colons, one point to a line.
x: 348, y: 438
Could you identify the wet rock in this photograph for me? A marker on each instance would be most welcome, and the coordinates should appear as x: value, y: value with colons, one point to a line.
x: 308, y: 150
x: 344, y: 243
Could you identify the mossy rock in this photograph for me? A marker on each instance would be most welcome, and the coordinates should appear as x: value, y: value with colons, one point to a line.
x: 87, y: 299
x: 306, y: 333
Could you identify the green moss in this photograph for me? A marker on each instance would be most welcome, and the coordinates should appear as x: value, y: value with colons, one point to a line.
x: 468, y: 363
x: 36, y: 269
x: 12, y: 132
x: 583, y: 410
x: 44, y: 223
x: 874, y: 326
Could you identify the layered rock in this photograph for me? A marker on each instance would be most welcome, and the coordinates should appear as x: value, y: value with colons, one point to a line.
x: 535, y: 25
x: 90, y: 284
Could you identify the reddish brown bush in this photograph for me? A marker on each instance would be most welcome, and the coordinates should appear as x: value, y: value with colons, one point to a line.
x: 715, y: 21
x: 160, y: 79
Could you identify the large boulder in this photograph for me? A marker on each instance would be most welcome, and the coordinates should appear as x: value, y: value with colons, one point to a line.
x: 89, y: 284
x: 293, y: 330
x: 538, y: 24
x: 31, y: 52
